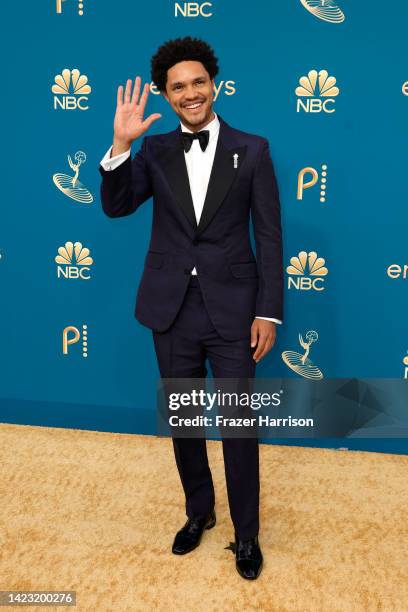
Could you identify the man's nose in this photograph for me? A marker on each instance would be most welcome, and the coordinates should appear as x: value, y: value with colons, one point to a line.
x: 190, y: 93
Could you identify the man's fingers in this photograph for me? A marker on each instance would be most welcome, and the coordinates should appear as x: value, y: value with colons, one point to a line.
x: 136, y: 90
x: 128, y: 90
x: 259, y: 348
x: 119, y: 96
x: 148, y: 122
x: 143, y: 97
x: 264, y: 346
x: 254, y: 335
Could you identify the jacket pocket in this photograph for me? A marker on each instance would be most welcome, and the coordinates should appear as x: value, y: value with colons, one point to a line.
x: 248, y: 269
x: 154, y: 259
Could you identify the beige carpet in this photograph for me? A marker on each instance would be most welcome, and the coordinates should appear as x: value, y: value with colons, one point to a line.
x: 96, y: 512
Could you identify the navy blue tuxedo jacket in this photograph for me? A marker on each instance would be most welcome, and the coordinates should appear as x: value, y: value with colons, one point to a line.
x: 236, y: 286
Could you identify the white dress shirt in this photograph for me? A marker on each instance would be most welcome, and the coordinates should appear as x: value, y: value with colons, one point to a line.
x: 199, y: 164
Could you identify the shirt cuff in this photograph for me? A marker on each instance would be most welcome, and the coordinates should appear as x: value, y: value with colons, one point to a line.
x: 110, y: 163
x: 269, y: 319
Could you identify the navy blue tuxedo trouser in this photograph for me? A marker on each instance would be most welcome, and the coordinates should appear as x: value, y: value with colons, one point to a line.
x: 181, y: 353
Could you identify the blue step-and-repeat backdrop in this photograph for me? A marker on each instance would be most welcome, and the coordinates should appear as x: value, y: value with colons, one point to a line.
x: 325, y: 82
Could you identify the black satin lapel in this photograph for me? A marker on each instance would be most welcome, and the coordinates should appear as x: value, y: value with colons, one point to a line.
x: 222, y: 176
x: 175, y: 169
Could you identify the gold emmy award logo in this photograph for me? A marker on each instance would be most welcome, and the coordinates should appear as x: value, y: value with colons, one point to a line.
x: 68, y: 339
x: 302, y: 184
x: 193, y: 9
x: 307, y: 279
x: 301, y: 364
x: 72, y: 254
x: 324, y: 9
x: 70, y: 185
x: 71, y: 89
x: 405, y: 362
x: 58, y: 6
x: 319, y: 89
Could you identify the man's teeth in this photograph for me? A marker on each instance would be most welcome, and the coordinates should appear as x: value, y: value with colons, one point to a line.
x: 194, y: 105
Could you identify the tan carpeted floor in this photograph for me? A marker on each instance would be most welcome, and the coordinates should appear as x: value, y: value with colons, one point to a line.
x: 97, y: 512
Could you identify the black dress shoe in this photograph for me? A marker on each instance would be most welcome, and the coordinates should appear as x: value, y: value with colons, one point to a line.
x: 189, y: 536
x: 248, y: 557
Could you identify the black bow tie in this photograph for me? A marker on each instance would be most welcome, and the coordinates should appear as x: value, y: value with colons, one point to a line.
x: 202, y: 137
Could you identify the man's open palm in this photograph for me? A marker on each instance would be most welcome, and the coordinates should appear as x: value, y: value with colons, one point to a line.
x: 129, y: 123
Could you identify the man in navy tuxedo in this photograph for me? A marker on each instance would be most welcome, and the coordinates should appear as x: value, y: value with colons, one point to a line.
x: 203, y: 293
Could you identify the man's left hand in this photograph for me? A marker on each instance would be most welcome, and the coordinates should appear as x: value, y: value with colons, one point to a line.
x: 263, y: 334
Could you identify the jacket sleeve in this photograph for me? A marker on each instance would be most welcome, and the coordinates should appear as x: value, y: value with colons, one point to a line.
x: 266, y: 219
x: 126, y: 187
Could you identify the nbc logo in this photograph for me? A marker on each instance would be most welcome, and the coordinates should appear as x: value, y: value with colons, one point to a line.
x: 306, y: 272
x: 316, y: 92
x: 312, y: 176
x: 71, y: 89
x: 71, y: 336
x: 324, y: 9
x: 193, y: 9
x: 73, y: 261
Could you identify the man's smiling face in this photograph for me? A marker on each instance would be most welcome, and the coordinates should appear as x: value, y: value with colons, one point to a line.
x: 190, y: 92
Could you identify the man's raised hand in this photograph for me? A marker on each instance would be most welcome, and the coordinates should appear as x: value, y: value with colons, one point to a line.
x: 129, y: 123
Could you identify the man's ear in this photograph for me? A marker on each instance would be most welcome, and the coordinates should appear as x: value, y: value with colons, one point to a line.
x: 164, y: 94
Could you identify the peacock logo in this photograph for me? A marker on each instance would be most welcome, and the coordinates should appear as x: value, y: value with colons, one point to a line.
x: 307, y: 271
x: 314, y: 87
x: 71, y: 335
x: 71, y: 90
x: 59, y: 3
x: 308, y: 177
x: 73, y: 261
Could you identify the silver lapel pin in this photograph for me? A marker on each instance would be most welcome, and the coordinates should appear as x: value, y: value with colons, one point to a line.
x: 235, y: 156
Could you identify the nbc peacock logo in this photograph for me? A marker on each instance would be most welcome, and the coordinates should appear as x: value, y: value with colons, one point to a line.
x: 316, y: 92
x: 71, y: 90
x: 327, y: 10
x: 306, y: 272
x: 73, y: 261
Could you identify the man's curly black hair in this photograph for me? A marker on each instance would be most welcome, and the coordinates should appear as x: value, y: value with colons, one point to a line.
x: 179, y: 50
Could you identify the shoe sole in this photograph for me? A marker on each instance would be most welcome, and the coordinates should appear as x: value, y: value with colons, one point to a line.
x: 184, y: 552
